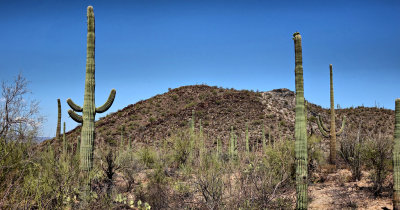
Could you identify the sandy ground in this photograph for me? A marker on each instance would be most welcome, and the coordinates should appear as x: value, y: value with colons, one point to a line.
x: 337, y: 193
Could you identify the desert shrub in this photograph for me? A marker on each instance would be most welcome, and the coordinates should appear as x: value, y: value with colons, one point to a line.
x: 350, y: 151
x: 147, y: 156
x: 315, y: 153
x: 174, y: 97
x: 264, y: 179
x: 109, y: 167
x: 51, y: 182
x: 157, y: 189
x: 181, y: 148
x: 15, y: 161
x: 208, y: 181
x: 182, y: 195
x: 129, y: 167
x: 152, y: 119
x: 377, y: 156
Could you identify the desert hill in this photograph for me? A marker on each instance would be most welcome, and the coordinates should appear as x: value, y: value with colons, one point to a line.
x: 219, y: 109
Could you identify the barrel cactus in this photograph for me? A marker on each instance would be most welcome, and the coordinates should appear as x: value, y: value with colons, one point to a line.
x: 88, y: 110
x: 300, y: 129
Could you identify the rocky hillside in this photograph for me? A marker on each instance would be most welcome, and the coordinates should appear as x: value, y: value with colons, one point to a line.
x: 219, y: 109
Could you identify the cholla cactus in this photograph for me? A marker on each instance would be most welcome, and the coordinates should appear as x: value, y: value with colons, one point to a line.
x: 300, y: 129
x: 396, y: 158
x: 331, y: 133
x: 89, y: 110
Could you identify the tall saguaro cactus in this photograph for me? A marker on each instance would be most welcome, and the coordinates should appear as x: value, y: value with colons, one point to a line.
x: 331, y: 133
x: 64, y: 142
x: 89, y: 110
x: 58, y: 131
x: 300, y: 131
x: 396, y: 158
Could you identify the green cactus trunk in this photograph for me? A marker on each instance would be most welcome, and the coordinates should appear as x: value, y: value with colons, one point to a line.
x: 122, y: 143
x: 396, y: 158
x: 58, y: 131
x: 331, y: 133
x: 247, y: 139
x: 89, y: 110
x: 235, y: 147
x: 64, y: 143
x: 231, y: 143
x: 332, y: 156
x: 300, y: 129
x: 88, y: 113
x: 78, y: 146
x: 264, y: 144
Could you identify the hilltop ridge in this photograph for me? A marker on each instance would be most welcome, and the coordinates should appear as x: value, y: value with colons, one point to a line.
x: 151, y: 120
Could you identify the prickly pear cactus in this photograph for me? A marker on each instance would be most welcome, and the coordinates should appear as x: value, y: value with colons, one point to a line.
x: 89, y: 110
x: 300, y: 129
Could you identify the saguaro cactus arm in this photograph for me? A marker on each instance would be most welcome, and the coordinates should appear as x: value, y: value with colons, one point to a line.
x: 322, y: 128
x: 341, y: 128
x: 77, y: 118
x: 325, y: 131
x: 108, y: 103
x: 74, y: 106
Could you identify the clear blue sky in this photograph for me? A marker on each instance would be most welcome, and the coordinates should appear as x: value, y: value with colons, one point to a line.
x: 145, y: 47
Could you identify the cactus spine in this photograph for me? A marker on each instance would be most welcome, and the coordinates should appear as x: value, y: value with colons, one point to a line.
x: 331, y: 133
x: 396, y: 158
x: 58, y: 121
x: 89, y: 110
x: 300, y: 129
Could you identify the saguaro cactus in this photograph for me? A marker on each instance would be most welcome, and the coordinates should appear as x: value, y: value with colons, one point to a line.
x: 58, y: 131
x: 247, y: 139
x: 64, y: 142
x: 300, y: 129
x: 396, y: 158
x: 331, y: 133
x: 89, y: 110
